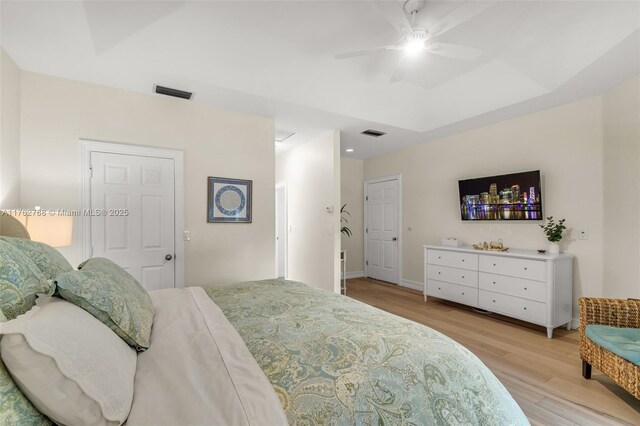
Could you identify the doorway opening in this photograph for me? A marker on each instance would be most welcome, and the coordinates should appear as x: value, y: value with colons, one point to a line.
x: 281, y: 231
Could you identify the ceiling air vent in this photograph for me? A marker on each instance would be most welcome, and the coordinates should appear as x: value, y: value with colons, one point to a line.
x: 374, y: 133
x: 173, y: 92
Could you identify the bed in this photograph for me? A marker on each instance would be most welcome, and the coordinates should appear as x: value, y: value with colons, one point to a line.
x: 331, y: 360
x: 334, y: 360
x: 281, y: 352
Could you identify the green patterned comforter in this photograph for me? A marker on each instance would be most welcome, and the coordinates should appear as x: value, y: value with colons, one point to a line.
x: 336, y: 361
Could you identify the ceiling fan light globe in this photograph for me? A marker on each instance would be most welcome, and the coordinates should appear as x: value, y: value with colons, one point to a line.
x: 413, y: 46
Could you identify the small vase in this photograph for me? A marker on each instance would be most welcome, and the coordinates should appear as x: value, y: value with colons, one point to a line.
x: 554, y: 248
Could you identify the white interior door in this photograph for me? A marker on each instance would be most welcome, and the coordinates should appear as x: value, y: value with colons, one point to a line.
x: 281, y: 231
x: 381, y: 231
x: 132, y: 221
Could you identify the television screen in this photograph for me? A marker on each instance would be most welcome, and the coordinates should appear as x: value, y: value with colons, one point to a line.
x: 515, y: 196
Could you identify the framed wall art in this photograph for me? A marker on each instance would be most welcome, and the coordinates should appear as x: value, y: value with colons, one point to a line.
x: 229, y: 200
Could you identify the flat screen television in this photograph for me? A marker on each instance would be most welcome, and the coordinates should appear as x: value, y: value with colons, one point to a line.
x: 516, y: 196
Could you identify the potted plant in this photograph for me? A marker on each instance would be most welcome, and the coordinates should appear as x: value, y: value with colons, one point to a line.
x: 553, y: 230
x: 344, y: 229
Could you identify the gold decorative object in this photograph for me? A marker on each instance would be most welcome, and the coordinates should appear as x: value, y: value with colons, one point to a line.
x: 491, y: 246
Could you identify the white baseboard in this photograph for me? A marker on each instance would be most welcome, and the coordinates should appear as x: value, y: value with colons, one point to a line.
x: 412, y: 284
x: 355, y: 274
x: 575, y: 323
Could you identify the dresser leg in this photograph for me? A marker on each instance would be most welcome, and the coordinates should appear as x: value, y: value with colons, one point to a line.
x: 549, y: 332
x: 425, y: 298
x: 569, y: 325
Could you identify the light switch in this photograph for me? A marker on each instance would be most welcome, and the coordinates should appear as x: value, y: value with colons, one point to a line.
x: 583, y: 234
x: 187, y: 235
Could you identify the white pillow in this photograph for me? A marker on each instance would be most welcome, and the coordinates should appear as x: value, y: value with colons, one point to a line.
x: 71, y: 366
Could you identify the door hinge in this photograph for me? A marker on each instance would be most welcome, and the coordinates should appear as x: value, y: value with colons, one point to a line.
x: 366, y: 230
x: 90, y: 170
x: 90, y: 251
x: 366, y: 198
x: 367, y: 263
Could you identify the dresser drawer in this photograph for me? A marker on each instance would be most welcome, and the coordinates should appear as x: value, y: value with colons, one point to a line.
x: 453, y: 275
x: 452, y: 259
x: 528, y: 289
x: 454, y: 292
x: 525, y: 309
x: 521, y: 268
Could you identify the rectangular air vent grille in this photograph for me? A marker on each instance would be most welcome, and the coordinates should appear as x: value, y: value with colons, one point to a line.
x: 173, y: 92
x: 374, y: 133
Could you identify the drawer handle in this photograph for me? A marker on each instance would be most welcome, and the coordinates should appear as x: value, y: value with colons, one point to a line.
x: 463, y: 276
x: 439, y: 288
x: 525, y: 269
x: 463, y: 293
x: 439, y: 257
x: 494, y: 264
x: 525, y: 289
x: 494, y: 282
x: 525, y: 308
x: 494, y: 301
x: 439, y: 273
x: 463, y: 260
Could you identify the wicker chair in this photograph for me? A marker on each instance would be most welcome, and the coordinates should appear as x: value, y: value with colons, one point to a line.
x: 616, y: 313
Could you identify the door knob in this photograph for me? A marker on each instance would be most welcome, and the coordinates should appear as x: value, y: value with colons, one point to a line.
x: 394, y: 239
x: 168, y: 257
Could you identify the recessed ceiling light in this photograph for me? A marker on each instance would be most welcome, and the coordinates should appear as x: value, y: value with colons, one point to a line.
x: 349, y: 150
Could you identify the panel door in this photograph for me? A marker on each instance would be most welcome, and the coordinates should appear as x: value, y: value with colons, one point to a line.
x: 381, y: 231
x: 132, y: 215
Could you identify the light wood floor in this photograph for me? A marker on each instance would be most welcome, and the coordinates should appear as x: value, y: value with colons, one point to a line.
x: 543, y: 375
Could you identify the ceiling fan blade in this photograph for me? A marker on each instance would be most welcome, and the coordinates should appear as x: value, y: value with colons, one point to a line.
x: 356, y: 53
x: 401, y: 70
x: 455, y: 51
x: 394, y: 13
x: 459, y: 15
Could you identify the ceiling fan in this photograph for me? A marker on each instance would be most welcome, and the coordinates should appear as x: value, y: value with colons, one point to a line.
x: 415, y: 39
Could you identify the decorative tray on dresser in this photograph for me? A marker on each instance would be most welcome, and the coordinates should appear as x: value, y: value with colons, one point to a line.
x: 522, y: 284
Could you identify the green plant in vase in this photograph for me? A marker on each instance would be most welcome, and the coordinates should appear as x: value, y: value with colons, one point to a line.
x: 553, y: 230
x: 343, y: 220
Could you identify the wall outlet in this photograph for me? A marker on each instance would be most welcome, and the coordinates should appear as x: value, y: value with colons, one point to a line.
x: 583, y: 234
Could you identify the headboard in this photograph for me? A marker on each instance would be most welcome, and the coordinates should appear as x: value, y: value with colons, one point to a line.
x: 12, y: 227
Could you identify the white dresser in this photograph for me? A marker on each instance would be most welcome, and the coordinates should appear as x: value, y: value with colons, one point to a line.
x: 522, y: 284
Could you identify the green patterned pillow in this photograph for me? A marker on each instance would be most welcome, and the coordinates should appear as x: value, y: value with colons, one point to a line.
x: 110, y: 294
x: 15, y: 408
x: 49, y: 260
x: 20, y: 281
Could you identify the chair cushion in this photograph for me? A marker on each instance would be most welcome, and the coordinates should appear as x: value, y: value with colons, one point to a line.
x: 624, y: 342
x: 49, y: 260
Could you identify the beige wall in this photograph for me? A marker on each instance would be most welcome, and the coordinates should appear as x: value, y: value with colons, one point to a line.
x: 565, y: 143
x: 9, y: 132
x: 351, y: 193
x: 621, y: 121
x: 312, y: 175
x: 56, y: 113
